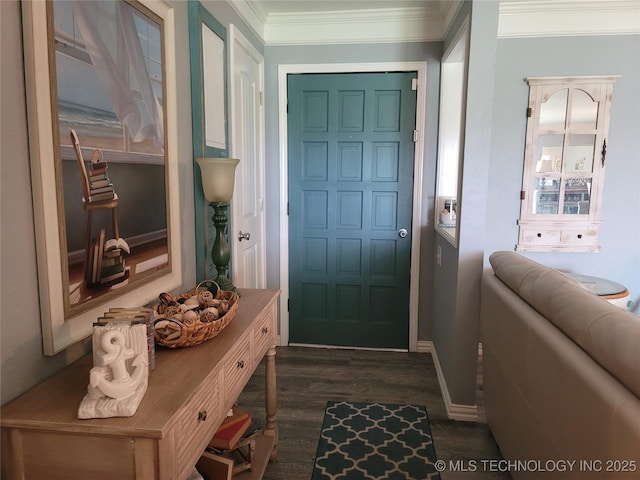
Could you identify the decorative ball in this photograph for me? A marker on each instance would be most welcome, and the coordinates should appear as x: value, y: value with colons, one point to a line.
x: 189, y: 317
x: 204, y: 296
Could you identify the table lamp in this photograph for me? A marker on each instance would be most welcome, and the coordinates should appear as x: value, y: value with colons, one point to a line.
x: 217, y: 182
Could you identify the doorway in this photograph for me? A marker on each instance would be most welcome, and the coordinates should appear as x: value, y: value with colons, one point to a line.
x: 409, y: 331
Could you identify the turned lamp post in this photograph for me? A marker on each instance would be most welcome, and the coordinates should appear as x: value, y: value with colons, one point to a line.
x: 217, y: 181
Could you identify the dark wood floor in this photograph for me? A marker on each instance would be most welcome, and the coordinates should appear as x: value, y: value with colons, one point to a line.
x: 309, y: 377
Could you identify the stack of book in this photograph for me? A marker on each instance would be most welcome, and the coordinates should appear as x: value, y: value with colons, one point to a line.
x: 231, y: 430
x: 100, y: 186
x: 232, y: 448
x: 108, y: 261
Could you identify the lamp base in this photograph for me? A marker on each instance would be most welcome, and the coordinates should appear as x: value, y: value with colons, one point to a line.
x: 225, y: 284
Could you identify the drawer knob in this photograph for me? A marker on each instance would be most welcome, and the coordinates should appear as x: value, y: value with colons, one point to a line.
x: 265, y: 330
x: 202, y: 415
x: 539, y: 235
x: 579, y: 235
x: 240, y: 364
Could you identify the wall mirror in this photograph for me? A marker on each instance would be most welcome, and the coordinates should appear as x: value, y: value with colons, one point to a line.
x: 453, y: 88
x: 565, y: 158
x: 100, y: 80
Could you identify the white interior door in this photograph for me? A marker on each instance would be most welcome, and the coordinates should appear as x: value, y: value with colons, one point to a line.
x: 247, y: 232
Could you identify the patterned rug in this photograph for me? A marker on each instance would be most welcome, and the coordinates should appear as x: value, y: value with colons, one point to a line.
x: 375, y: 441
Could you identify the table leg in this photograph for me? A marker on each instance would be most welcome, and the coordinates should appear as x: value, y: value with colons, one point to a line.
x: 271, y: 401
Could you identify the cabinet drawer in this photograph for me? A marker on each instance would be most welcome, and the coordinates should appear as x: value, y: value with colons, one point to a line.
x: 539, y: 236
x: 264, y: 335
x: 237, y: 369
x: 579, y: 237
x: 197, y: 423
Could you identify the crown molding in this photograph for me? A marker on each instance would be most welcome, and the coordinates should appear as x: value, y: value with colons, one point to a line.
x: 518, y: 19
x: 416, y: 24
x: 449, y: 11
x: 546, y: 18
x: 252, y: 14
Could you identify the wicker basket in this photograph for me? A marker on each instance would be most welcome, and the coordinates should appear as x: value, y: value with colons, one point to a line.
x: 189, y: 319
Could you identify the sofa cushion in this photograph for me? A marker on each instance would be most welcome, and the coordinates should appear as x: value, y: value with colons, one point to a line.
x: 609, y: 334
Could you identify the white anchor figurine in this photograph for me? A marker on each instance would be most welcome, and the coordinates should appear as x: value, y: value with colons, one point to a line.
x: 113, y: 390
x: 122, y: 384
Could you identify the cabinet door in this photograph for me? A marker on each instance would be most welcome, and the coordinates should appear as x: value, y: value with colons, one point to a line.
x: 565, y: 154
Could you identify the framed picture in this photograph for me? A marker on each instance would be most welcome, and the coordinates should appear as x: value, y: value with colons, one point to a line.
x: 101, y: 101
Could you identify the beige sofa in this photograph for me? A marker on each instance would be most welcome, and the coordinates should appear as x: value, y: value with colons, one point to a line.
x: 561, y: 371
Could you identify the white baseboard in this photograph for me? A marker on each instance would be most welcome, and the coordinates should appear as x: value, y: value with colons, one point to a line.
x: 465, y: 413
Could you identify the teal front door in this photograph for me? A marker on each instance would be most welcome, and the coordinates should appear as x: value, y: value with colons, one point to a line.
x: 350, y: 171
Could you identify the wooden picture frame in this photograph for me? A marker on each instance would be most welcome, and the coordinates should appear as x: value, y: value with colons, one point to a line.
x: 62, y: 323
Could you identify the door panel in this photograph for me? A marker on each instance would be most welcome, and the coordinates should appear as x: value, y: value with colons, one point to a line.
x: 248, y: 216
x: 351, y: 156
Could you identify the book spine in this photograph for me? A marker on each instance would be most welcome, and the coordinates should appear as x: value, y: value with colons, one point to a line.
x: 113, y: 269
x: 108, y: 188
x: 101, y: 196
x: 113, y: 277
x: 98, y: 171
x: 93, y: 177
x: 104, y: 182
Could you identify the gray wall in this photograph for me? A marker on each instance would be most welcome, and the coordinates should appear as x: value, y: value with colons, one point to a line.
x: 619, y: 259
x: 457, y: 281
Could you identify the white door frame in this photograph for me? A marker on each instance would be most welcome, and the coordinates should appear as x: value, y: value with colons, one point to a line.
x: 235, y: 36
x: 283, y: 71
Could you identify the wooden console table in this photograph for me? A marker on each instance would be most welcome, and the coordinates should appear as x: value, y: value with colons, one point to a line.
x: 189, y: 394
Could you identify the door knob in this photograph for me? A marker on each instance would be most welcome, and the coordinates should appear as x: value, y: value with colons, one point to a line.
x: 403, y: 232
x: 243, y: 236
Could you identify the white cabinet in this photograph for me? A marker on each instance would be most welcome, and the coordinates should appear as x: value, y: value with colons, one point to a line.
x: 564, y: 164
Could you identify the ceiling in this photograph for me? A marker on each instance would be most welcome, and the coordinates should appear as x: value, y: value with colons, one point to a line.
x: 305, y: 22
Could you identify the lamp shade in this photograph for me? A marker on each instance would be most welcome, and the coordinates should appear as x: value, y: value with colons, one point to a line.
x: 218, y: 175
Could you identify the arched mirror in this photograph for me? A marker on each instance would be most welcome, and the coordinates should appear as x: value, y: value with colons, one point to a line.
x: 565, y: 158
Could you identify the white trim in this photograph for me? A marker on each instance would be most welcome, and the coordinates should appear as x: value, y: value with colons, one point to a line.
x: 389, y: 25
x: 545, y: 18
x: 248, y: 11
x: 464, y: 413
x: 421, y: 100
x: 522, y: 18
x: 424, y: 346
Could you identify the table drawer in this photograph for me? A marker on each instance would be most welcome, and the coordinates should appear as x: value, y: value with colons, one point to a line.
x: 237, y: 369
x: 264, y: 336
x: 197, y: 423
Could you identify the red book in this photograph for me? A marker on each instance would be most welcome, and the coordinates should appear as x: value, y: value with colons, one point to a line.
x: 228, y: 438
x: 237, y: 417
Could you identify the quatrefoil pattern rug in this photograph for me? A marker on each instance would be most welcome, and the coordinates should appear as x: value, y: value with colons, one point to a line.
x: 373, y: 441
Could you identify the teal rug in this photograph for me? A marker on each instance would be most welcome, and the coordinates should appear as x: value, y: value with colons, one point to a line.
x: 375, y: 441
